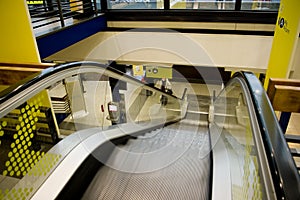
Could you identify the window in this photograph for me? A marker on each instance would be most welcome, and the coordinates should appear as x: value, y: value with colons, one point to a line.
x: 135, y: 4
x: 271, y: 5
x: 203, y: 4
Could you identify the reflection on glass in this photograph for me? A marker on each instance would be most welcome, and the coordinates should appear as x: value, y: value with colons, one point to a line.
x: 271, y: 5
x: 97, y: 100
x: 236, y: 134
x: 135, y: 4
x: 203, y: 4
x: 77, y: 101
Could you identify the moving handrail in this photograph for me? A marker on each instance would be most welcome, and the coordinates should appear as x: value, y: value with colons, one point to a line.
x: 285, y: 176
x: 14, y: 95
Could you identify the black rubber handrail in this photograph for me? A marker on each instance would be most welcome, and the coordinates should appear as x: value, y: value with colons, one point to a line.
x: 284, y: 172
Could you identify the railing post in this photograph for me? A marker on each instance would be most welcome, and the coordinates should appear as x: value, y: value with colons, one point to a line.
x: 238, y: 4
x: 49, y: 5
x: 104, y: 5
x: 166, y: 4
x: 284, y: 120
x: 60, y: 13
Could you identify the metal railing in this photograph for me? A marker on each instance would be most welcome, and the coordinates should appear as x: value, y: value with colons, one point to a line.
x: 59, y: 13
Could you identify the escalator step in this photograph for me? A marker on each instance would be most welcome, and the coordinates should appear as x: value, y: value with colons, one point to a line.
x: 292, y: 138
x: 295, y: 152
x: 170, y: 163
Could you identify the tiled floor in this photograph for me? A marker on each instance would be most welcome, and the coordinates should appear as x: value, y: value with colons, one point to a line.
x: 294, y: 128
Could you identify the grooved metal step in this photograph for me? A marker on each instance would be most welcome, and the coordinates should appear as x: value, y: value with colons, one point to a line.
x: 168, y: 163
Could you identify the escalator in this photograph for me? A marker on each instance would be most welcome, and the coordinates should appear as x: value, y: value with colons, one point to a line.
x: 196, y: 147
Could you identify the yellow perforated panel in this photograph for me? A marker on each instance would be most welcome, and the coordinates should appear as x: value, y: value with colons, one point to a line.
x: 14, y: 194
x: 22, y: 157
x: 23, y: 154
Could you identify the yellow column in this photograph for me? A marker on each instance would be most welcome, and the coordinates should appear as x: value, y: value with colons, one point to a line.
x: 18, y: 44
x: 285, y: 40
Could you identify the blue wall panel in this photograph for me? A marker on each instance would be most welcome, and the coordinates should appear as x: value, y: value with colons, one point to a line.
x: 52, y: 43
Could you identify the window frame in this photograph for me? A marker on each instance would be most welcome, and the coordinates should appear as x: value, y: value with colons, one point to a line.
x: 190, y: 15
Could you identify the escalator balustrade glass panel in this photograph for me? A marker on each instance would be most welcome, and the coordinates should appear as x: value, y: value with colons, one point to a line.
x: 234, y: 143
x: 26, y: 134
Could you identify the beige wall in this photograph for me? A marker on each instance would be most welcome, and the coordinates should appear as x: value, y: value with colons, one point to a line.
x: 191, y: 25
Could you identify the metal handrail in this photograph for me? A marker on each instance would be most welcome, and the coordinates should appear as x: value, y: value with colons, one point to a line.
x: 29, y: 85
x: 284, y: 171
x: 53, y: 11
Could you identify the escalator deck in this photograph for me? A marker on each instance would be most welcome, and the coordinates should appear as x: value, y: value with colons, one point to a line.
x: 169, y: 163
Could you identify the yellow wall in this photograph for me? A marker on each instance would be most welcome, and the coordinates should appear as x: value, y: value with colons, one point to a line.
x: 285, y: 40
x: 17, y: 40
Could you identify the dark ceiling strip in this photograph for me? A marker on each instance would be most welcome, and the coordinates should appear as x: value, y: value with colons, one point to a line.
x: 199, y: 31
x: 193, y: 16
